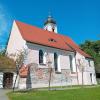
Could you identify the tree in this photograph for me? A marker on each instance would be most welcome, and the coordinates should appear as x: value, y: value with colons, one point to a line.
x: 6, y: 63
x: 20, y: 58
x: 93, y: 48
x: 50, y: 70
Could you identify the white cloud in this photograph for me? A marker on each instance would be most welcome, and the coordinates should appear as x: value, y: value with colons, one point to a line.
x: 5, y: 24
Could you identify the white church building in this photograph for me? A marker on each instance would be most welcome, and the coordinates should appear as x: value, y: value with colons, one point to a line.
x: 50, y: 57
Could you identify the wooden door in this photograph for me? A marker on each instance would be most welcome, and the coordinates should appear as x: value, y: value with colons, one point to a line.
x: 8, y: 80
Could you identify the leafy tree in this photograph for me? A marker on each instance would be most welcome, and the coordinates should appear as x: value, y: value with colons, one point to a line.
x: 6, y: 63
x: 20, y: 58
x: 93, y: 49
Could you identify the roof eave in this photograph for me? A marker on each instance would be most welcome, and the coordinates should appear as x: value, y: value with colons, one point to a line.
x: 50, y: 46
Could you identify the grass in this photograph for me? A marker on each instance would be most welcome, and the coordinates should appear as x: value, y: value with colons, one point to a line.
x: 70, y: 94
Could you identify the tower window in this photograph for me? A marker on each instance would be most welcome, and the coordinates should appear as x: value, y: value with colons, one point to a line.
x: 53, y: 29
x: 41, y: 57
x: 56, y: 61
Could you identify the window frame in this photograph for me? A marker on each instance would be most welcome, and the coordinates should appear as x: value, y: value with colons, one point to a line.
x: 56, y: 62
x: 71, y: 62
x: 41, y: 56
x: 89, y: 62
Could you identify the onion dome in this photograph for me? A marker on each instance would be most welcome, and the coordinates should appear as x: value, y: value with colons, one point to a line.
x: 50, y: 20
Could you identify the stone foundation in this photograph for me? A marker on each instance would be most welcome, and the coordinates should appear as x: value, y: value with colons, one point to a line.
x: 39, y: 77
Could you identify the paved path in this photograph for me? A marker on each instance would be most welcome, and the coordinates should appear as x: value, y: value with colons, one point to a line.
x: 3, y: 95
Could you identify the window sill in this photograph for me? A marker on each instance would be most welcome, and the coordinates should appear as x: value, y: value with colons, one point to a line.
x: 42, y: 64
x: 73, y: 72
x: 90, y: 66
x: 57, y: 72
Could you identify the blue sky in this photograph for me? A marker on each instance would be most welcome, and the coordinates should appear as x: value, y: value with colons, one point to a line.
x: 79, y: 19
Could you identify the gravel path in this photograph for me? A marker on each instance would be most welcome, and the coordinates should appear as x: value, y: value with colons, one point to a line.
x: 3, y: 95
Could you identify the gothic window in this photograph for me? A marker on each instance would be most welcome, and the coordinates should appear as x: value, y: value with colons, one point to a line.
x: 71, y: 62
x: 91, y: 77
x: 41, y: 57
x: 89, y: 62
x: 56, y: 61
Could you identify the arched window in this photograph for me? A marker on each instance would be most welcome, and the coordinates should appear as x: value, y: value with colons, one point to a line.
x: 41, y: 57
x: 56, y: 61
x: 71, y: 62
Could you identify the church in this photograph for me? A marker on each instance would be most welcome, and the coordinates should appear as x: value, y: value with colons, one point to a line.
x: 50, y: 58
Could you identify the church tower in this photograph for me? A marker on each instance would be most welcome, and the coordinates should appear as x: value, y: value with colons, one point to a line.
x: 50, y: 24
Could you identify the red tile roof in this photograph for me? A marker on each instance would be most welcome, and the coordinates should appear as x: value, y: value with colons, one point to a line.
x: 70, y: 42
x: 39, y: 36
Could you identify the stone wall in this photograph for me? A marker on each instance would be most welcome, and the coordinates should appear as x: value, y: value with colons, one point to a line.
x: 39, y: 77
x: 63, y: 56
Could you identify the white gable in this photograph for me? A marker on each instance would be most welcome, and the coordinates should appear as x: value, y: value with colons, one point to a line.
x: 16, y: 42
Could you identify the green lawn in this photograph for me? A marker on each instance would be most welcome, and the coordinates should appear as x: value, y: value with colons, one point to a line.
x: 70, y: 94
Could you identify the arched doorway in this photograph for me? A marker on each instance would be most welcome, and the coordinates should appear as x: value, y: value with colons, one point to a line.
x: 7, y: 80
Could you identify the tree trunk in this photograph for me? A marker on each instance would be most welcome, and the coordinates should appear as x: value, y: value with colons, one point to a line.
x: 82, y: 78
x: 50, y: 71
x: 15, y: 82
x: 77, y: 75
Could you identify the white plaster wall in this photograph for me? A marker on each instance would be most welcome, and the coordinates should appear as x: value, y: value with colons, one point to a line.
x: 33, y: 56
x: 16, y: 42
x: 64, y: 61
x: 49, y: 27
x: 73, y: 61
x: 1, y: 79
x: 94, y: 78
x: 87, y: 78
x: 17, y: 80
x: 92, y: 63
x: 22, y: 83
x: 90, y: 69
x: 87, y: 70
x: 74, y: 80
